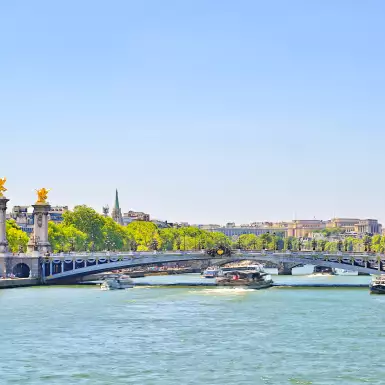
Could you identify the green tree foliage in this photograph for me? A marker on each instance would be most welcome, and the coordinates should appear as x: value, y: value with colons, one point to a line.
x: 66, y: 238
x: 88, y: 221
x: 144, y: 233
x: 330, y: 231
x: 85, y: 229
x: 17, y: 239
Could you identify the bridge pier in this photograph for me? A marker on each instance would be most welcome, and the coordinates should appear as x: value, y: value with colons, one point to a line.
x: 39, y: 240
x: 284, y: 268
x: 3, y: 234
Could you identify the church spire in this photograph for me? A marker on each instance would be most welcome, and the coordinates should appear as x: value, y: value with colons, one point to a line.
x: 116, y: 211
x: 117, y: 207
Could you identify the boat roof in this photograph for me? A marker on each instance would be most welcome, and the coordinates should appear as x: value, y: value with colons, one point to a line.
x: 244, y: 272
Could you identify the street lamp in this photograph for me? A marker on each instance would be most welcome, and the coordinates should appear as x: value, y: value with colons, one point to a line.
x: 35, y: 242
x: 108, y: 243
x: 299, y: 244
x: 72, y: 243
x: 275, y: 241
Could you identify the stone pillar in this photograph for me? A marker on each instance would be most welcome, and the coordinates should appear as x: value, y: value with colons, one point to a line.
x: 3, y: 235
x: 39, y: 239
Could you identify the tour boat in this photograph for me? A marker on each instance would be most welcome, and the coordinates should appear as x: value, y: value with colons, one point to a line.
x: 345, y: 272
x: 117, y: 283
x: 377, y: 285
x: 320, y: 271
x: 212, y: 272
x: 255, y: 267
x: 245, y: 278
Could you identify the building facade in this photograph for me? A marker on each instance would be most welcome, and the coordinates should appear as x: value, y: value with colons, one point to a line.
x: 368, y: 226
x: 302, y: 228
x: 231, y: 230
x: 132, y: 216
x: 357, y: 226
x: 23, y: 216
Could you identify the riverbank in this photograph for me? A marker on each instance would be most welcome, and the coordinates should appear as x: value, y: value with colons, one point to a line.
x: 213, y: 284
x: 19, y: 282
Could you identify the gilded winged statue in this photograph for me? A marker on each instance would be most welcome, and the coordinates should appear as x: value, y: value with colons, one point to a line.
x: 42, y: 195
x: 2, y: 188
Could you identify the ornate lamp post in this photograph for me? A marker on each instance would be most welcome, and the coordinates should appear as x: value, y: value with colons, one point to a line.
x: 72, y: 244
x: 3, y: 209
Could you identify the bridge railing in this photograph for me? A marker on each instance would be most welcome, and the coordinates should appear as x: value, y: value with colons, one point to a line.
x: 305, y: 252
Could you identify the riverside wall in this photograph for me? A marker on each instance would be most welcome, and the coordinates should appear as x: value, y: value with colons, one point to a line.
x: 21, y: 282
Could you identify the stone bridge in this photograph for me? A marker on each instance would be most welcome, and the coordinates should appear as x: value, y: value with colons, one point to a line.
x: 61, y: 267
x: 70, y: 266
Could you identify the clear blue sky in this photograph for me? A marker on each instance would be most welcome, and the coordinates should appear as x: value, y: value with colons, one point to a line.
x: 205, y: 111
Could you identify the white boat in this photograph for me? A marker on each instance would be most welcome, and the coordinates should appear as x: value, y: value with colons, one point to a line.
x: 303, y: 270
x: 251, y: 279
x: 377, y: 286
x: 212, y: 272
x: 345, y: 272
x: 117, y: 283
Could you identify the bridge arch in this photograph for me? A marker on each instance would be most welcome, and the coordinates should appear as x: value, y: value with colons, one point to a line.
x: 21, y: 270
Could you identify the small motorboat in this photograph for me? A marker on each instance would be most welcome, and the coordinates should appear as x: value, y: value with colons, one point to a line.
x: 212, y: 272
x: 345, y: 272
x: 250, y: 279
x: 117, y: 283
x: 377, y: 286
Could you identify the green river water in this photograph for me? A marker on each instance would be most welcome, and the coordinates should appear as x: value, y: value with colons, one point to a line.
x: 162, y: 336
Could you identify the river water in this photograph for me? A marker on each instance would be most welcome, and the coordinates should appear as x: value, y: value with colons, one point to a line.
x: 163, y: 336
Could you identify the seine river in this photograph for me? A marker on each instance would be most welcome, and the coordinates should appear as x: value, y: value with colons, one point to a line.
x: 163, y: 336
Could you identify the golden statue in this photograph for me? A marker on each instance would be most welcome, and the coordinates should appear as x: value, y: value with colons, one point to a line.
x: 2, y: 188
x: 42, y: 195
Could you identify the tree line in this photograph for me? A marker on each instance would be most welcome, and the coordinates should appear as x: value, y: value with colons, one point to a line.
x: 83, y: 229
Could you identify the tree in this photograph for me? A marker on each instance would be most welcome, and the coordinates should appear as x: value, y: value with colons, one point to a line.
x: 265, y: 240
x: 321, y: 244
x: 248, y: 241
x: 65, y: 238
x: 88, y: 221
x: 288, y: 243
x: 154, y: 244
x: 17, y: 239
x: 143, y: 233
x: 367, y: 241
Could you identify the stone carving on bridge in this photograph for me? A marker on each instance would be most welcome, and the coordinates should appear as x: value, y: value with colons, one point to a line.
x: 2, y: 188
x: 42, y: 195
